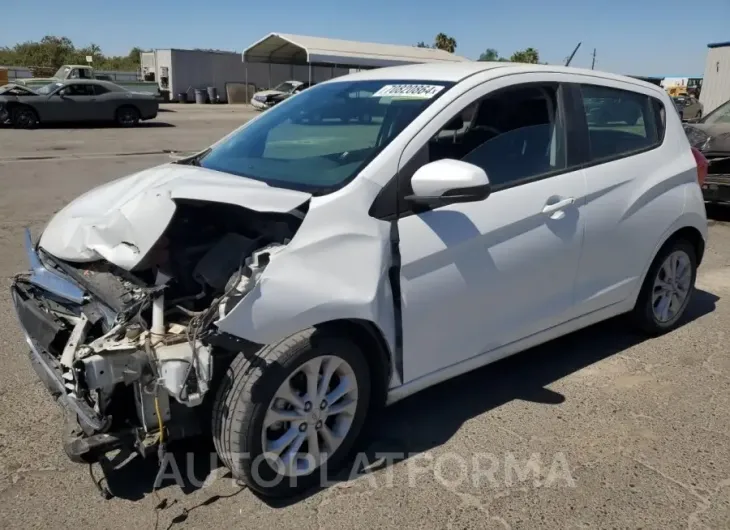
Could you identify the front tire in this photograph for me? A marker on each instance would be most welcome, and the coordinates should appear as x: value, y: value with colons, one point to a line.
x: 667, y: 289
x: 24, y: 117
x: 290, y: 414
x: 127, y: 116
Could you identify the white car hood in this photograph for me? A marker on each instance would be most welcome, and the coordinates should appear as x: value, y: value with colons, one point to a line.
x: 120, y: 221
x: 268, y: 93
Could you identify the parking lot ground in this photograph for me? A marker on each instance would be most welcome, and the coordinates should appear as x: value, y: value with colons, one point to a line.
x: 176, y: 128
x: 600, y: 429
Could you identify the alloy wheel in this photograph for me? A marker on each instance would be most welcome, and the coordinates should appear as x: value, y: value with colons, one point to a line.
x: 127, y: 117
x: 25, y: 119
x: 310, y: 415
x: 671, y: 286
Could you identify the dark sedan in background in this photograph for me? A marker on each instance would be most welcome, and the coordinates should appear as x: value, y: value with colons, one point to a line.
x: 75, y: 100
x: 711, y: 135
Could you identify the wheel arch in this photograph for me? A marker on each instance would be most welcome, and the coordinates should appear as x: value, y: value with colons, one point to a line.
x: 366, y: 334
x: 691, y: 235
x: 11, y: 105
x: 687, y: 227
x: 127, y: 105
x: 377, y: 352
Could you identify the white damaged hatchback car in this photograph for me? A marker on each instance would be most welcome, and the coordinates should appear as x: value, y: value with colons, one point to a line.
x: 279, y: 287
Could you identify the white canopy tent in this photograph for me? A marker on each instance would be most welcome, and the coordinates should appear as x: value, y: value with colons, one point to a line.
x: 282, y: 48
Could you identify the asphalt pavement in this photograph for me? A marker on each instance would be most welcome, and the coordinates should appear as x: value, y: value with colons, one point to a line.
x: 599, y: 429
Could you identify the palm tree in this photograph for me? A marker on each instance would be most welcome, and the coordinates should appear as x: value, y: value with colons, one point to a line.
x: 444, y: 42
x: 528, y: 55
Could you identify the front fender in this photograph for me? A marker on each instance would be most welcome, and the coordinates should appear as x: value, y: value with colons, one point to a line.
x: 335, y: 268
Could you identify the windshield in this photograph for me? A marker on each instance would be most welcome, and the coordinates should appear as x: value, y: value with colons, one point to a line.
x: 61, y: 72
x: 720, y: 115
x: 319, y: 140
x: 286, y: 86
x: 47, y: 89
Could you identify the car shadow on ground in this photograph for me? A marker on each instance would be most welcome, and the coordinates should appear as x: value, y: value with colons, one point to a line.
x: 426, y: 420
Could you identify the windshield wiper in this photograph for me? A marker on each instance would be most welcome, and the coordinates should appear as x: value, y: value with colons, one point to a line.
x: 194, y: 160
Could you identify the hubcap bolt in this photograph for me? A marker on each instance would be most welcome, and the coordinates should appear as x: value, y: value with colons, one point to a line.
x: 308, y: 406
x: 323, y: 405
x: 303, y: 427
x: 318, y: 425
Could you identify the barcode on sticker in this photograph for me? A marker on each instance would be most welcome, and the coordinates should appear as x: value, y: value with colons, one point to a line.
x: 408, y: 91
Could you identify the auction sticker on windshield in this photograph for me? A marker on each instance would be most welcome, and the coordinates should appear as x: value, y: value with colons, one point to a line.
x: 408, y: 91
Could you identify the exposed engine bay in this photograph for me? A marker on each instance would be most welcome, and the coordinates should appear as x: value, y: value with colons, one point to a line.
x: 137, y: 350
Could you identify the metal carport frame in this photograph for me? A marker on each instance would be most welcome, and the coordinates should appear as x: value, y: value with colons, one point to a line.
x: 282, y: 48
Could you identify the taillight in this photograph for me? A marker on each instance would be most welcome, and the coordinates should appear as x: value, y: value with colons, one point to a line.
x: 703, y: 165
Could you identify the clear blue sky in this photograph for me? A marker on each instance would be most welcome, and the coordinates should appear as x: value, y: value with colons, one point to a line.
x: 641, y: 37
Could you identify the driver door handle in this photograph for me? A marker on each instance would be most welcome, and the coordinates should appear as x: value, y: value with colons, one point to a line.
x: 556, y: 207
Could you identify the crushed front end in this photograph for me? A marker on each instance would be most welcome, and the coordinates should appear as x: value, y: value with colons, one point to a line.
x: 714, y: 143
x: 130, y: 355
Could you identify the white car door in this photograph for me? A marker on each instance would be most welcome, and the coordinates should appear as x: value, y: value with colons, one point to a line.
x: 477, y: 276
x: 634, y: 174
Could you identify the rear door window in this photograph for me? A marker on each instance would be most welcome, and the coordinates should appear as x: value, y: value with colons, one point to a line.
x: 621, y: 122
x: 99, y: 90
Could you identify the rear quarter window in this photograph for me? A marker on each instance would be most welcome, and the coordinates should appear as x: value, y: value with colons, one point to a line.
x: 621, y: 122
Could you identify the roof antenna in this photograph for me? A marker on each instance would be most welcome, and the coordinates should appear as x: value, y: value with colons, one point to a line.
x: 569, y: 59
x: 593, y: 63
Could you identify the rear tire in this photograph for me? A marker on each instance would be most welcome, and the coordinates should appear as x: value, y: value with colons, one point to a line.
x: 24, y: 117
x: 127, y: 116
x: 667, y: 289
x: 250, y: 396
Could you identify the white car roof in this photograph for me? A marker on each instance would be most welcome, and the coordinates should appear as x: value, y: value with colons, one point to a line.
x: 455, y: 72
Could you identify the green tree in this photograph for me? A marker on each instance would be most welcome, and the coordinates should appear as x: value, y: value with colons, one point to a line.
x: 528, y: 55
x: 422, y: 44
x: 490, y: 54
x: 51, y: 52
x: 134, y: 55
x: 444, y: 42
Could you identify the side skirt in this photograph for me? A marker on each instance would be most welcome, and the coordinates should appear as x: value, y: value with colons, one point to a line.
x: 483, y: 359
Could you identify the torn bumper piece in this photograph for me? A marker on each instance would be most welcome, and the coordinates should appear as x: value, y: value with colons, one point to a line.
x: 84, y: 438
x: 47, y: 368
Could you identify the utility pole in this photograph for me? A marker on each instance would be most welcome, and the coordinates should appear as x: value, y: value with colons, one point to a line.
x: 594, y: 59
x: 570, y: 58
